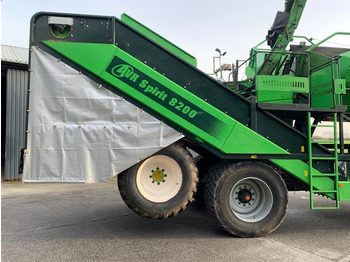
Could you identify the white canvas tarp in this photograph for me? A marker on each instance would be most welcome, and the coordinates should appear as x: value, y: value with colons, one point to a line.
x: 80, y: 131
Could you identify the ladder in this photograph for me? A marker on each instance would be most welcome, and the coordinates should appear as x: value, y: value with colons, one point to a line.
x: 314, y: 175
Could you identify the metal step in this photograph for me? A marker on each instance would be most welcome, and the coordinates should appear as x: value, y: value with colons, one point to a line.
x: 331, y: 192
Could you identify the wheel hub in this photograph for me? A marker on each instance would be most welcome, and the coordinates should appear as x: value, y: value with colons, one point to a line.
x: 158, y: 176
x: 245, y: 196
x: 251, y: 199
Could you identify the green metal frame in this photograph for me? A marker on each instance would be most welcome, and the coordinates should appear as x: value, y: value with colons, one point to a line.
x: 284, y: 38
x: 132, y: 60
x: 144, y: 84
x: 280, y: 89
x: 326, y: 39
x: 155, y: 91
x: 326, y: 85
x: 332, y: 189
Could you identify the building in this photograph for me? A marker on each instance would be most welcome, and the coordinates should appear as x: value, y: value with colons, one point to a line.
x: 14, y: 82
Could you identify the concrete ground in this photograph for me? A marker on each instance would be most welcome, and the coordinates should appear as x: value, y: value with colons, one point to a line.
x: 90, y: 222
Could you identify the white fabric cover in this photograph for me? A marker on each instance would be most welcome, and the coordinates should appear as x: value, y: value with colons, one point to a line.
x: 82, y: 132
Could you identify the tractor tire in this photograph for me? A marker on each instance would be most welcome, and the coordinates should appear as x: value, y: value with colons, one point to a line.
x: 162, y: 185
x: 248, y: 199
x: 203, y: 165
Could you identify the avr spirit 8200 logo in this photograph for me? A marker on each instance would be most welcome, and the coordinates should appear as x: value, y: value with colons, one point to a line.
x: 152, y: 89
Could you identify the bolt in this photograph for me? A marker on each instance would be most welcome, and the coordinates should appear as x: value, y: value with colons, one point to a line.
x: 163, y: 181
x: 158, y: 183
x: 150, y: 176
x: 165, y: 175
x: 152, y: 181
x: 239, y: 203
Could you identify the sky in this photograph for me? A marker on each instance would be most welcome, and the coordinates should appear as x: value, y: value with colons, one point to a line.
x: 197, y: 26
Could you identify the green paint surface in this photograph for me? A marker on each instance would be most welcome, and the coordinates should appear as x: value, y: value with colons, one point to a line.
x: 344, y: 191
x: 300, y: 170
x: 171, y: 101
x: 280, y: 89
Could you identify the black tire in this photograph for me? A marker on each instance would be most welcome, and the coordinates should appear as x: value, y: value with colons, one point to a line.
x: 248, y: 199
x: 203, y: 165
x: 162, y: 185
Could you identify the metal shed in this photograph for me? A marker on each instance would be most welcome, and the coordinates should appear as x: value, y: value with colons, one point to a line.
x: 14, y: 82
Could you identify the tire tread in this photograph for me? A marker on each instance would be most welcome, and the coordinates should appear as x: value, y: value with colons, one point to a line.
x: 129, y: 201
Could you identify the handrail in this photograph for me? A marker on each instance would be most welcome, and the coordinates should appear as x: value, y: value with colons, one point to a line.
x: 334, y: 58
x: 326, y: 39
x: 286, y: 53
x: 301, y: 36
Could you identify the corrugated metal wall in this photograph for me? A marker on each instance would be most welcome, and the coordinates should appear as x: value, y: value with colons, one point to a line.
x: 16, y: 106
